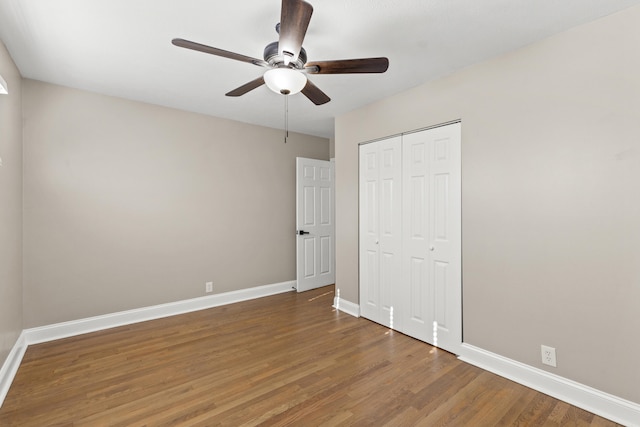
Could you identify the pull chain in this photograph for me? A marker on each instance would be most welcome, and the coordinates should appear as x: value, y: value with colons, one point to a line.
x: 286, y: 118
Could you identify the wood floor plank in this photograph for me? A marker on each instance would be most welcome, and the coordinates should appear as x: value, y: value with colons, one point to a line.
x: 289, y: 359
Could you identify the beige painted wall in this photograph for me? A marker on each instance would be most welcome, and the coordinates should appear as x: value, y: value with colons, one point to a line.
x: 10, y: 206
x: 129, y: 205
x: 550, y: 203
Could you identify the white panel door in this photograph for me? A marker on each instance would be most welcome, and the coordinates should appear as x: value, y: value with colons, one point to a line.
x: 445, y: 228
x: 380, y: 228
x: 369, y: 241
x: 430, y: 307
x: 414, y: 300
x: 315, y: 224
x: 410, y: 235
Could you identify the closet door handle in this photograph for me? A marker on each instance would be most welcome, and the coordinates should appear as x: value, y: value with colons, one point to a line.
x: 432, y: 248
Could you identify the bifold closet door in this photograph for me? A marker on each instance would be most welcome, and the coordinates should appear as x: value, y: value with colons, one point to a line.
x: 410, y: 235
x: 380, y: 228
x: 429, y: 302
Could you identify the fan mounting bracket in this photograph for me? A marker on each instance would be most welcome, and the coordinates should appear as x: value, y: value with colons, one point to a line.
x: 272, y: 57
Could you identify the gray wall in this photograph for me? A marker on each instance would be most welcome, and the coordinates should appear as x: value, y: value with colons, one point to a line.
x: 128, y: 205
x: 550, y: 202
x: 10, y: 206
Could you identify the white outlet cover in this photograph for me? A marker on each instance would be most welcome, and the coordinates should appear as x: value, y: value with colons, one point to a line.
x: 548, y: 355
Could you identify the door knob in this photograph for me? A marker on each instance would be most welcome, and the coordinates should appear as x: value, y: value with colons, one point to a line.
x: 302, y: 232
x: 432, y: 248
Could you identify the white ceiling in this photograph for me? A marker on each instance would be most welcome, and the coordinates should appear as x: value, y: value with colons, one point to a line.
x: 123, y: 47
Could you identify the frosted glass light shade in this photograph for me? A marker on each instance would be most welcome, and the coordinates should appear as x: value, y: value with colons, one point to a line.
x: 285, y: 80
x: 3, y: 86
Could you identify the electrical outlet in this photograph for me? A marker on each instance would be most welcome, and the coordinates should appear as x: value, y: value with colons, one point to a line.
x: 548, y: 355
x: 208, y: 287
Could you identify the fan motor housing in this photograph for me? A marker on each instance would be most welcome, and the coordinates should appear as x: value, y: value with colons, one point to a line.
x: 271, y: 56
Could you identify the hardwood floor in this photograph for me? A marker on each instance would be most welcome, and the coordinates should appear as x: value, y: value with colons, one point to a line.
x: 288, y: 359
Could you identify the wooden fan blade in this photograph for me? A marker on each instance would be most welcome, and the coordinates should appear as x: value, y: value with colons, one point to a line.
x: 314, y: 94
x: 294, y: 20
x: 218, y: 52
x: 247, y: 87
x: 348, y: 66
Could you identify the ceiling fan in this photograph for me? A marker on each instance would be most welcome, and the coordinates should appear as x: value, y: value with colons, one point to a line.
x: 286, y: 59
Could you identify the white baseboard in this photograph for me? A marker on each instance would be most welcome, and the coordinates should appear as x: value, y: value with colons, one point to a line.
x: 346, y: 306
x: 603, y: 404
x: 11, y: 365
x: 98, y: 323
x: 92, y: 324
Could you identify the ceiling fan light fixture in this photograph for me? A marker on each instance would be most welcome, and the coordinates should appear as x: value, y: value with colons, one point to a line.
x: 285, y: 81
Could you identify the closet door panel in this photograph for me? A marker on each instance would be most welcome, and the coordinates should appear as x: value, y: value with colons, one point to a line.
x: 445, y: 235
x: 390, y: 225
x: 380, y: 227
x: 415, y: 299
x: 368, y: 230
